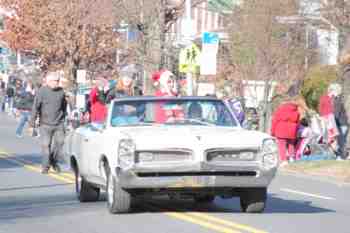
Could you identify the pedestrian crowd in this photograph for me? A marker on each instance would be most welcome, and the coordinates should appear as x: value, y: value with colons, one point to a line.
x: 298, y: 129
x: 48, y: 111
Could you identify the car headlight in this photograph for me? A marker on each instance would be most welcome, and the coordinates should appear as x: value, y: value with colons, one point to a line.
x: 270, y: 153
x: 126, y: 151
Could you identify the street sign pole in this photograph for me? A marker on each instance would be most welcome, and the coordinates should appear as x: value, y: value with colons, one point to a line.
x: 189, y: 79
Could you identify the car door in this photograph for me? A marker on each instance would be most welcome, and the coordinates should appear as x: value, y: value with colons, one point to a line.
x: 93, y: 149
x: 79, y: 143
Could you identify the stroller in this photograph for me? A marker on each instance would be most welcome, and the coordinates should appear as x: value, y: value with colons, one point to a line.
x: 313, y: 141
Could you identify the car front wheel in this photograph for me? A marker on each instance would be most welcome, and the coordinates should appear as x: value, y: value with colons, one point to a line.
x: 84, y: 190
x: 118, y: 200
x: 253, y: 200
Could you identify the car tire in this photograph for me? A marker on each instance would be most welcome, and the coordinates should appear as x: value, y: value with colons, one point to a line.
x: 84, y: 190
x: 118, y: 200
x: 204, y: 198
x: 253, y: 200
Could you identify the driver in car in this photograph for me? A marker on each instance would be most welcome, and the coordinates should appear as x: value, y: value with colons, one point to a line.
x: 195, y: 111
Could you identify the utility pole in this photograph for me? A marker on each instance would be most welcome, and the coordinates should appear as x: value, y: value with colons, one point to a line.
x: 162, y: 33
x: 189, y: 78
x: 143, y: 50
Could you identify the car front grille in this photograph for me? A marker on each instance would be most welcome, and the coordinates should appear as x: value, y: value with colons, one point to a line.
x: 230, y: 155
x: 164, y: 156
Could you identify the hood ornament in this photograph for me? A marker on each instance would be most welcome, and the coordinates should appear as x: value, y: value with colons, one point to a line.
x: 199, y: 138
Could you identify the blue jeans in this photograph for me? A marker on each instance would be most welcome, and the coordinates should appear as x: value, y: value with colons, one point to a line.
x: 24, y: 118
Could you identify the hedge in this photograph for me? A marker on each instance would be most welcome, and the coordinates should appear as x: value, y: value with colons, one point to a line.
x: 316, y: 83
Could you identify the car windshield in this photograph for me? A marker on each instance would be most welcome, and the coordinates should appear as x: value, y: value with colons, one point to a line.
x: 171, y: 112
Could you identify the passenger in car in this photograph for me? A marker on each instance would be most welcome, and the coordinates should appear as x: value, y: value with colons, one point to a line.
x: 124, y: 87
x: 166, y: 85
x: 125, y: 115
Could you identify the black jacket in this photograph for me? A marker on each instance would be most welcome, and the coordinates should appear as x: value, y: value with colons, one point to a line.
x: 113, y: 93
x: 50, y: 105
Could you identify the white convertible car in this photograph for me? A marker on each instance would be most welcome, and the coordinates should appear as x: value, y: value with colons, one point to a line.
x: 175, y: 146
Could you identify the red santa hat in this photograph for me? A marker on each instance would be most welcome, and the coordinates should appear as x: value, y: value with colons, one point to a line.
x: 161, y: 77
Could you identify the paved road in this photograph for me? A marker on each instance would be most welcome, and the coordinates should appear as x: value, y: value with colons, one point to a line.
x: 32, y: 202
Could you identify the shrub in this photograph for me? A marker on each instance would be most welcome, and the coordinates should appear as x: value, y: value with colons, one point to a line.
x: 316, y: 83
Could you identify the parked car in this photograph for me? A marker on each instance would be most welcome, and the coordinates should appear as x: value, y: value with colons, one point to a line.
x: 183, y: 146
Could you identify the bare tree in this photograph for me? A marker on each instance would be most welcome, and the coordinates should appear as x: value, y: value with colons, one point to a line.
x: 64, y: 34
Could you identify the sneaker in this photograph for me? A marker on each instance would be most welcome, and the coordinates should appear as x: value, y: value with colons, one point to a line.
x: 19, y: 135
x: 291, y: 160
x: 45, y: 170
x: 339, y: 158
x: 56, y: 168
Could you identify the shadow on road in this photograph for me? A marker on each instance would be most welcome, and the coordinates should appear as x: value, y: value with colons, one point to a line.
x: 279, y: 205
x: 52, y: 204
x: 274, y: 205
x: 31, y: 158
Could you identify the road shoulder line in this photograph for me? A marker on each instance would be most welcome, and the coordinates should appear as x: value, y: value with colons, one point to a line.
x: 307, y: 194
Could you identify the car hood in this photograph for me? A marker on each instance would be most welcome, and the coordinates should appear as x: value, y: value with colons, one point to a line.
x: 163, y: 137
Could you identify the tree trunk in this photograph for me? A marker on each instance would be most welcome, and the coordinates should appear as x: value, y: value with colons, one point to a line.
x: 69, y: 70
x: 265, y: 113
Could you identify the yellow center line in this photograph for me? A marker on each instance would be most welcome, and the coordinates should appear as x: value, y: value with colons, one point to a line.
x: 186, y: 217
x: 206, y: 217
x: 225, y: 222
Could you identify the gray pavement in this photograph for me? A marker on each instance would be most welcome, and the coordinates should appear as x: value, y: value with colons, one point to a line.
x: 32, y: 202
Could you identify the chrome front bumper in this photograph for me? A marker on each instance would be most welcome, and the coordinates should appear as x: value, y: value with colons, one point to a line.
x: 195, y: 175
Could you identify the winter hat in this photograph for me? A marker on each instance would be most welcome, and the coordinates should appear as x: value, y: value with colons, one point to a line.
x: 161, y: 77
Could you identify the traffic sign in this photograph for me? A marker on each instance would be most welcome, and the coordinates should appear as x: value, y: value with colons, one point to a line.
x: 210, y: 38
x: 189, y: 59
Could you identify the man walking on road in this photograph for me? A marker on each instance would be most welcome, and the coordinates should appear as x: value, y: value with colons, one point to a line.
x: 50, y: 105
